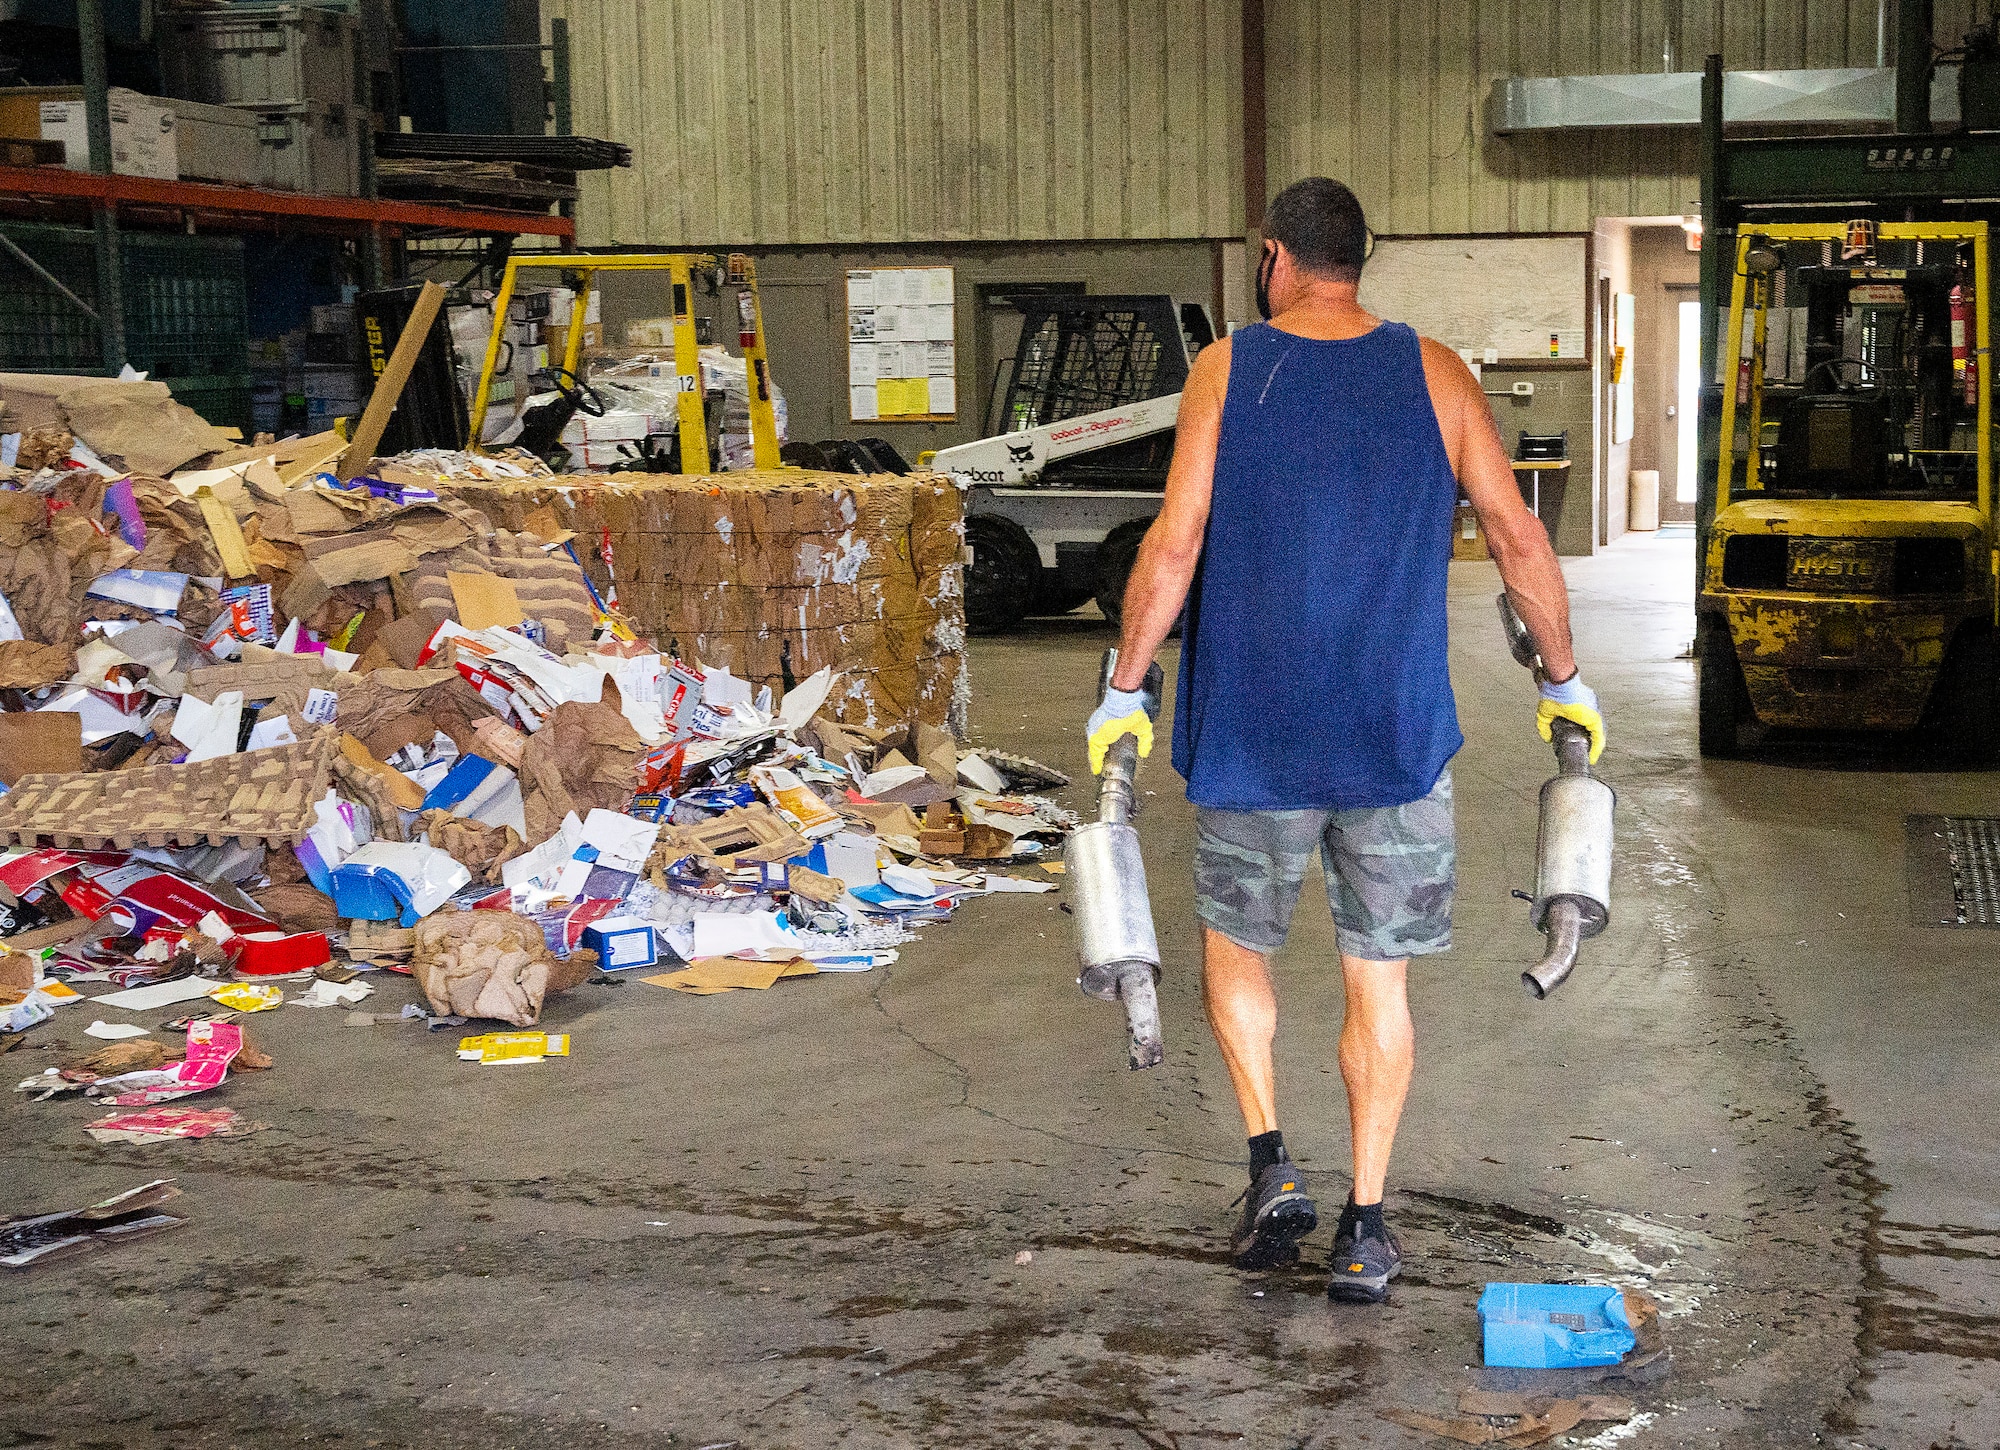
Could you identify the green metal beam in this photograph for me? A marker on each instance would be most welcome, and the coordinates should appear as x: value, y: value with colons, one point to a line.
x: 1850, y: 169
x: 97, y: 128
x: 1717, y: 242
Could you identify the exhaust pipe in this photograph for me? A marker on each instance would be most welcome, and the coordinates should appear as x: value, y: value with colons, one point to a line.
x: 1572, y: 900
x: 1117, y: 952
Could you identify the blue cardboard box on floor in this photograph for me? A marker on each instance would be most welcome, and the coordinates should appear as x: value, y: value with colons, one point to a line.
x: 1554, y: 1326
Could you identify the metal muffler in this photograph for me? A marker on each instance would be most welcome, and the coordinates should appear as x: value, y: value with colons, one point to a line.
x: 1572, y: 901
x: 1117, y: 953
x: 1572, y: 860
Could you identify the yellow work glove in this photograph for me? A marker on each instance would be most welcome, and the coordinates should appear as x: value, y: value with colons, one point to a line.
x: 1123, y: 712
x: 1576, y: 702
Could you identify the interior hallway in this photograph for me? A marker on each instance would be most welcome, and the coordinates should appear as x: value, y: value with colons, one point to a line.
x: 1764, y: 1095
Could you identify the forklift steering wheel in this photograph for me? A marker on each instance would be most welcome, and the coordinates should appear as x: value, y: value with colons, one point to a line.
x: 576, y: 392
x: 1834, y: 363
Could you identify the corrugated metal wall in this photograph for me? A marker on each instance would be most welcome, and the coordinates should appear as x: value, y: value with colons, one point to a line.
x: 1391, y: 98
x: 805, y: 121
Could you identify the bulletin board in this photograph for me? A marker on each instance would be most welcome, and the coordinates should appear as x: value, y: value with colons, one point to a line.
x: 1499, y: 299
x: 902, y: 350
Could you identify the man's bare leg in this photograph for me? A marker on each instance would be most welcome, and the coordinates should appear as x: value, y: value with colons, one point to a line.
x: 1377, y: 1053
x: 1243, y: 1011
x: 1377, y: 1050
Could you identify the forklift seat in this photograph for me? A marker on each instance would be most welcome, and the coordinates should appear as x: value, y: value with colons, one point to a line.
x: 1833, y: 443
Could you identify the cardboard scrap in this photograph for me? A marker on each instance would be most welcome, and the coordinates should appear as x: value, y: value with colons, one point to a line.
x: 1488, y: 1417
x: 1502, y: 1402
x: 485, y: 600
x: 42, y: 741
x: 25, y: 665
x: 705, y: 976
x: 406, y: 793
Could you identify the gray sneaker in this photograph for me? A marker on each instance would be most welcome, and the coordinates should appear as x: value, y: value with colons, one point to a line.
x: 1363, y: 1267
x: 1277, y: 1213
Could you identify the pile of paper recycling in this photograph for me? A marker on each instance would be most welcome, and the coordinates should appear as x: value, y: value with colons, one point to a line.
x: 263, y: 730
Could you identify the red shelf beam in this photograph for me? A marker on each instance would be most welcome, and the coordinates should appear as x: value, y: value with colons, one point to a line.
x: 52, y: 182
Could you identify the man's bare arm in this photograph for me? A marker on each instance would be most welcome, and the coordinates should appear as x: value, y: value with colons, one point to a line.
x: 1172, y: 547
x: 1519, y: 543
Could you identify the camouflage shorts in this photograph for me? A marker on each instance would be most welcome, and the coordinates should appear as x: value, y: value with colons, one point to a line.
x: 1389, y: 874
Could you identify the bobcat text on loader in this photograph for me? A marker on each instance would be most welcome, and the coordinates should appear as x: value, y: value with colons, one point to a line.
x: 1059, y: 501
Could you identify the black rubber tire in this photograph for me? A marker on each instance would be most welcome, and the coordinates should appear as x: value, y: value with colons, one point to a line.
x: 1724, y: 699
x: 1962, y: 718
x: 1004, y: 576
x: 1115, y: 558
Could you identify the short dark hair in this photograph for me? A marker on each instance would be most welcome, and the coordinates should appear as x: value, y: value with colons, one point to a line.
x: 1320, y: 223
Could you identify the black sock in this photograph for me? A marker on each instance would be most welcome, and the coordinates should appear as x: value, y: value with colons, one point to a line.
x: 1361, y: 1221
x: 1266, y: 1149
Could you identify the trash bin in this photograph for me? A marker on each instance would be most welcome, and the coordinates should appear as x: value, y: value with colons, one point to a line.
x: 1642, y: 510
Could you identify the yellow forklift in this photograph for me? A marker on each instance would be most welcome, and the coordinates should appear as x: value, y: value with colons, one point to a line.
x: 1847, y: 557
x: 572, y: 392
x: 1847, y: 575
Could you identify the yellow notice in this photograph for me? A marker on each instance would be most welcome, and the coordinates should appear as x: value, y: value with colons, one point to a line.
x: 248, y: 996
x: 485, y: 600
x: 895, y: 395
x: 506, y: 1048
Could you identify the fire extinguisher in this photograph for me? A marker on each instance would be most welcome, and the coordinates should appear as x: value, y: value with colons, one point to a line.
x: 1963, y: 363
x: 1744, y: 344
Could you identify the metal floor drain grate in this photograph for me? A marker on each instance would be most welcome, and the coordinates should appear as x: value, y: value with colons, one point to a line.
x: 1954, y: 870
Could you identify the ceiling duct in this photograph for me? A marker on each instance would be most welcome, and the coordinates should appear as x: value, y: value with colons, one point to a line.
x: 1864, y: 96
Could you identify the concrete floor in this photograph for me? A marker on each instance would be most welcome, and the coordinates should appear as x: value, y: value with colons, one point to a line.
x: 792, y: 1218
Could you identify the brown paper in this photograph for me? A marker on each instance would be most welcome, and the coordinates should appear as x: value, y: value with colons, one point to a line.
x: 25, y: 665
x: 23, y: 516
x: 385, y: 737
x: 485, y: 601
x: 406, y: 638
x: 44, y: 742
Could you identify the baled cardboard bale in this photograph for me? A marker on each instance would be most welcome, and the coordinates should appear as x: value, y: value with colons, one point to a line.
x: 752, y: 570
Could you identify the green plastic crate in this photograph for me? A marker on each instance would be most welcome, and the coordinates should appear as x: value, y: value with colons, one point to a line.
x: 186, y: 309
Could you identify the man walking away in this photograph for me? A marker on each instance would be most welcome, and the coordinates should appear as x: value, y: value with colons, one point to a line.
x: 1307, y: 528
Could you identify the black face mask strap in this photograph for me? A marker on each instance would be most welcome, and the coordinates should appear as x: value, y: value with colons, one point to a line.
x: 1266, y: 265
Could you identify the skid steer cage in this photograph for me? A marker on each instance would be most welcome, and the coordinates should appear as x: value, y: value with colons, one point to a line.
x: 1082, y: 355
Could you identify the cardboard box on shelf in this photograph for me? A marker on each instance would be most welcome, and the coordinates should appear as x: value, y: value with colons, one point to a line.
x: 557, y: 336
x: 142, y: 134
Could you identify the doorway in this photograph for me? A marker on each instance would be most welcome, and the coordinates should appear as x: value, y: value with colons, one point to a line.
x: 1680, y: 360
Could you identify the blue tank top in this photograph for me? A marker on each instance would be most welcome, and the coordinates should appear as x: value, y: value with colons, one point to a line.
x: 1313, y: 667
